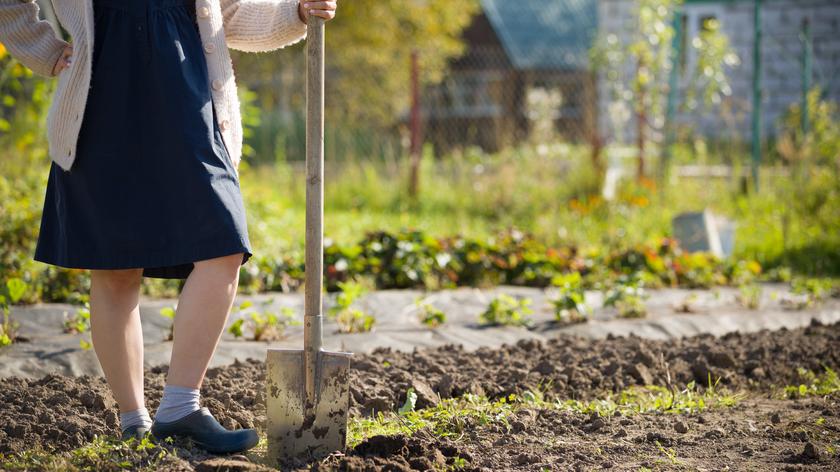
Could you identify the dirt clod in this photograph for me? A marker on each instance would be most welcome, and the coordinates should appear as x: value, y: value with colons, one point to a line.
x: 811, y: 452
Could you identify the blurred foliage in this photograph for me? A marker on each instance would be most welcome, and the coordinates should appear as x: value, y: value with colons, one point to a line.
x: 24, y: 100
x: 368, y: 50
x: 450, y: 237
x: 812, y: 158
x: 637, y: 68
x: 819, y: 145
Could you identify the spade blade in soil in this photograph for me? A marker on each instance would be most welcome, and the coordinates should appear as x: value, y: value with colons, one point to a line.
x: 297, y: 430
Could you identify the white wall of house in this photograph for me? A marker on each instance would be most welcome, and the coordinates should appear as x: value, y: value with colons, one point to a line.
x: 781, y: 54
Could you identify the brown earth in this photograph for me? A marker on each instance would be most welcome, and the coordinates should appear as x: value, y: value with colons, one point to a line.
x: 60, y: 413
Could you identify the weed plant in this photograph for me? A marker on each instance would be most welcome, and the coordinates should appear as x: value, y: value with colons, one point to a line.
x: 812, y: 384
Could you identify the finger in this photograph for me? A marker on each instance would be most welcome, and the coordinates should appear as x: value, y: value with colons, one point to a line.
x: 327, y: 15
x: 320, y: 5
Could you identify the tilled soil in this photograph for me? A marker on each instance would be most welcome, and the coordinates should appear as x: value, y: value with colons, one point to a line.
x: 60, y: 413
x: 758, y: 434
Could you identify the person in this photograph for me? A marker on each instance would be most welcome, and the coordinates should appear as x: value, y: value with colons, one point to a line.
x: 144, y: 135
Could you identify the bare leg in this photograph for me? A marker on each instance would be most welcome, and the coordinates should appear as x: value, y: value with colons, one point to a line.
x: 202, y: 311
x: 117, y: 334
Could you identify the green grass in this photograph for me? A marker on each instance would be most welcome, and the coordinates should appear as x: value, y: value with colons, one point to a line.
x: 453, y: 416
x: 477, y: 194
x: 450, y: 418
x: 814, y: 384
x: 101, y: 454
x: 549, y: 191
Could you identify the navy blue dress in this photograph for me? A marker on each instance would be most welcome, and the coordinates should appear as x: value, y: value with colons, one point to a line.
x: 152, y: 185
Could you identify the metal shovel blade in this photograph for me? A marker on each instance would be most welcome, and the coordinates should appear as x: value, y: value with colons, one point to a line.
x: 296, y: 429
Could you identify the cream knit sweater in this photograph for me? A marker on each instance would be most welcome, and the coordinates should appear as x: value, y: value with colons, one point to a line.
x: 246, y: 25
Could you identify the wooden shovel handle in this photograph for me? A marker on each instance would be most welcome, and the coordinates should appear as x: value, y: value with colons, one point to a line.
x: 313, y: 299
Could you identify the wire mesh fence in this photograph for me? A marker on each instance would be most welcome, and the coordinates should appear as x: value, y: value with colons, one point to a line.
x: 526, y: 75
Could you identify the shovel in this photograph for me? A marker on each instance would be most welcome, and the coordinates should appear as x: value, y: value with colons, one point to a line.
x: 307, y: 391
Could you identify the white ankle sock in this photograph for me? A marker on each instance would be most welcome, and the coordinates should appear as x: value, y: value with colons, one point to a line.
x: 139, y: 417
x: 177, y: 402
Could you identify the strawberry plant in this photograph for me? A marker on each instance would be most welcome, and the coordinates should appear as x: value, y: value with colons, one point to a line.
x: 429, y: 315
x: 79, y: 323
x: 749, y: 295
x: 505, y: 310
x: 168, y: 312
x: 353, y: 320
x: 628, y: 297
x: 350, y: 320
x: 686, y: 305
x: 814, y: 290
x: 570, y: 304
x: 264, y: 326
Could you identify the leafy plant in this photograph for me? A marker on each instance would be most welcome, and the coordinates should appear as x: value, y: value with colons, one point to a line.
x: 686, y: 305
x: 353, y: 320
x: 749, y: 295
x: 812, y: 384
x: 79, y: 323
x: 816, y: 290
x: 628, y: 296
x: 15, y: 289
x: 570, y: 304
x: 505, y: 310
x: 264, y: 326
x: 429, y: 315
x: 168, y: 312
x: 350, y: 320
x: 410, y: 401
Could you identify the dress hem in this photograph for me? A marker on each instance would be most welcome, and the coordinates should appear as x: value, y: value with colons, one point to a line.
x: 163, y: 268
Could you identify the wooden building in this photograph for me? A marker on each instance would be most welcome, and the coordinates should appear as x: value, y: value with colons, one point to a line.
x: 515, y: 49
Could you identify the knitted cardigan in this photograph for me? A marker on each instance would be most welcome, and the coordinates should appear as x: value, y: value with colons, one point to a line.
x: 246, y: 25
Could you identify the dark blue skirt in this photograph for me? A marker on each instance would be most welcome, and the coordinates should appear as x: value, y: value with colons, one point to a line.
x: 153, y: 185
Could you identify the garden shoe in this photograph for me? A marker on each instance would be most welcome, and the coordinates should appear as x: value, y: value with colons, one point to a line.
x: 206, y: 433
x: 137, y: 432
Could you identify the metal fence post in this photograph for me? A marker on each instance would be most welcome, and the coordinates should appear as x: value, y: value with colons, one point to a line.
x: 756, y: 94
x: 807, y: 66
x: 673, y: 84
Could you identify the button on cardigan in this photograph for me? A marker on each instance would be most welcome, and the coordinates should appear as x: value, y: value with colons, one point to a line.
x: 245, y: 25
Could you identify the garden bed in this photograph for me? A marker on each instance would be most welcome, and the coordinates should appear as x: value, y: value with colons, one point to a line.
x: 762, y: 400
x: 397, y: 326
